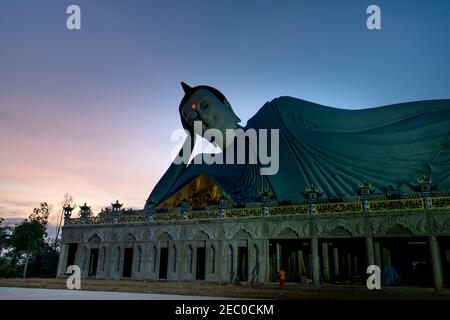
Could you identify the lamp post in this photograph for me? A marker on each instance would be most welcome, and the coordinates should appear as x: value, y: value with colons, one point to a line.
x: 149, y: 209
x: 364, y: 192
x: 116, y: 205
x: 67, y: 213
x: 185, y: 208
x: 266, y: 196
x: 115, y: 210
x: 365, y: 189
x: 312, y: 193
x: 223, y: 202
x: 85, y: 213
x: 425, y: 188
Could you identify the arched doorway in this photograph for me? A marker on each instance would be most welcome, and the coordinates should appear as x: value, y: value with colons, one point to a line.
x: 128, y: 256
x: 94, y: 243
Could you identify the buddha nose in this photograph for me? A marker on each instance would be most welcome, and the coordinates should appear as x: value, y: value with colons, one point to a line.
x: 202, y: 115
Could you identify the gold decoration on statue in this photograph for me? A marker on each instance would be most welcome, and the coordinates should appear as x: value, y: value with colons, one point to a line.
x: 200, y: 191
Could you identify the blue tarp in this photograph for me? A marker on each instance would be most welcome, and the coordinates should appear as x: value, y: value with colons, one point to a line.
x: 390, y: 277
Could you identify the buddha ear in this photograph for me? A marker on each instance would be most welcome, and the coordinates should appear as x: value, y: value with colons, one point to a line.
x: 228, y: 105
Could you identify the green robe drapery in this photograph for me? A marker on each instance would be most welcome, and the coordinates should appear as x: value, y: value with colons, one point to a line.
x: 336, y: 149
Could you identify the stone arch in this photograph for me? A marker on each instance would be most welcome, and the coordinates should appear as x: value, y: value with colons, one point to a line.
x: 300, y: 229
x: 196, y: 229
x: 95, y: 233
x: 129, y: 237
x: 94, y: 240
x: 201, y: 235
x: 337, y: 227
x: 164, y: 236
x: 339, y: 231
x: 242, y: 234
x: 399, y: 229
x: 397, y: 222
x: 288, y: 233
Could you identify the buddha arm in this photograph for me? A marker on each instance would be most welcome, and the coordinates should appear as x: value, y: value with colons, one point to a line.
x: 173, y: 173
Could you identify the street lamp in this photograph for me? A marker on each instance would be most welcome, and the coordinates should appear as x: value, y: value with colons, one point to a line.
x: 223, y: 203
x: 85, y: 213
x: 425, y: 187
x: 184, y: 208
x: 265, y: 196
x: 67, y: 213
x: 312, y: 193
x: 149, y: 208
x: 365, y: 190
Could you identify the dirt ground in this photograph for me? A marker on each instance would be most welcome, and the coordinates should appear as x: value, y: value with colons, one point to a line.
x: 291, y: 291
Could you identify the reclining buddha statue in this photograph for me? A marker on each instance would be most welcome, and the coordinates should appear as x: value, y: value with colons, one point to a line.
x: 335, y: 149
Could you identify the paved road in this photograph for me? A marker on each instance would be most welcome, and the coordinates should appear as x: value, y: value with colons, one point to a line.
x: 7, y: 293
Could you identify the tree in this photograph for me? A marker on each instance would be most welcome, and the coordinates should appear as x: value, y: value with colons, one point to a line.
x: 4, y: 234
x: 41, y: 215
x: 29, y: 234
x: 44, y: 262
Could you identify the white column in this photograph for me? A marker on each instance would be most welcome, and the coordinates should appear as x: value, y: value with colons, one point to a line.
x: 325, y: 262
x: 336, y: 261
x: 436, y: 263
x: 315, y: 261
x: 278, y: 256
x: 301, y: 263
x: 369, y: 251
x: 62, y: 259
x: 377, y: 254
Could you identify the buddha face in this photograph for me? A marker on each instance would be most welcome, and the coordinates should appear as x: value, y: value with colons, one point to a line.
x: 204, y: 106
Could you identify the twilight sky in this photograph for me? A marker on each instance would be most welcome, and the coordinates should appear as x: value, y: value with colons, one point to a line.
x: 90, y: 112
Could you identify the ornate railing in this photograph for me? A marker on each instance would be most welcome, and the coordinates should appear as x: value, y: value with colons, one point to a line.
x: 242, y: 212
x: 167, y: 216
x: 441, y: 202
x: 396, y: 204
x: 288, y: 210
x: 211, y: 214
x: 302, y: 209
x: 339, y: 207
x: 131, y: 218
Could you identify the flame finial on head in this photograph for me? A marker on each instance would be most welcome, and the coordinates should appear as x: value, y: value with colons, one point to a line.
x: 186, y: 88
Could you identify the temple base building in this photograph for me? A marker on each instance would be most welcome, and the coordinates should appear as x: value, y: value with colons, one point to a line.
x: 314, y: 242
x: 305, y: 218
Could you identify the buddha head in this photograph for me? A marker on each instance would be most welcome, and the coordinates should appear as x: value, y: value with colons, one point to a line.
x: 208, y: 105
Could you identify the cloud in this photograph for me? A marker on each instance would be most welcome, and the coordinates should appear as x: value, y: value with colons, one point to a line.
x: 12, y: 221
x: 13, y: 203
